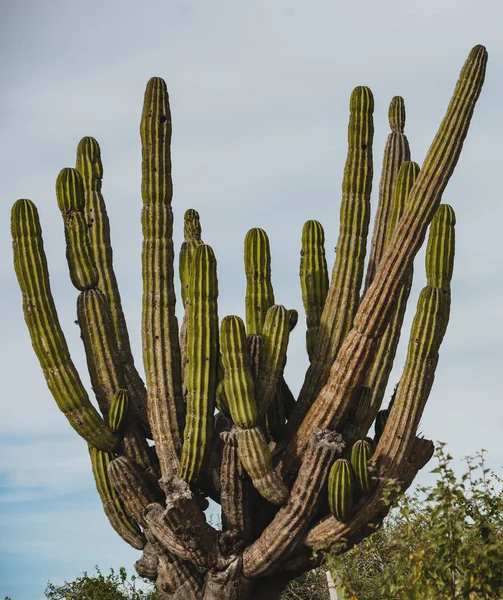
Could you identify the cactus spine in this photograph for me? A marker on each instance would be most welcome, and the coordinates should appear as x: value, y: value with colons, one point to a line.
x: 155, y: 496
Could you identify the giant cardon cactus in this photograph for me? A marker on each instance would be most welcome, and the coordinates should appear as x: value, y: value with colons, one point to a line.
x: 290, y: 474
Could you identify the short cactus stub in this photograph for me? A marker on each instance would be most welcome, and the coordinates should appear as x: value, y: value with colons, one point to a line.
x: 360, y: 456
x: 341, y: 489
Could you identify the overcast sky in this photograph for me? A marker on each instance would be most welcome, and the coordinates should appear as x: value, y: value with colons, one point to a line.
x: 259, y: 98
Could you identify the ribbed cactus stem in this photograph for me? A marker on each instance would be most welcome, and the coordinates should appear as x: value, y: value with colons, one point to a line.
x: 70, y: 196
x: 440, y: 249
x: 202, y: 362
x: 396, y: 151
x: 238, y: 381
x: 90, y: 167
x: 178, y: 579
x: 256, y: 458
x: 192, y: 239
x: 259, y: 292
x: 347, y: 274
x: 341, y: 489
x: 313, y: 279
x: 273, y: 347
x: 118, y: 413
x: 378, y: 375
x: 46, y: 334
x: 119, y: 517
x: 375, y: 310
x: 282, y: 535
x: 161, y: 350
x: 360, y: 456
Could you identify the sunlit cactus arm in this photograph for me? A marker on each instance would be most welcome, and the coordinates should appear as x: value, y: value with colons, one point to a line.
x: 45, y: 331
x: 192, y: 239
x: 382, y: 364
x: 259, y: 292
x: 235, y: 490
x: 90, y: 167
x: 202, y: 363
x: 347, y: 274
x: 118, y: 515
x: 313, y: 279
x: 256, y: 458
x: 396, y: 151
x: 238, y: 381
x: 161, y: 350
x: 118, y: 413
x: 272, y: 359
x: 375, y: 309
x: 280, y: 538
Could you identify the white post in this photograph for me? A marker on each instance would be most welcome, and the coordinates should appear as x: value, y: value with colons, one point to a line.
x: 333, y: 593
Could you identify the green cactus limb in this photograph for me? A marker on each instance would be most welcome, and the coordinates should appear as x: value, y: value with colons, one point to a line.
x: 396, y: 151
x: 341, y: 489
x: 374, y: 313
x: 313, y: 279
x: 47, y: 337
x: 161, y: 350
x: 202, y: 363
x: 117, y: 514
x: 378, y: 374
x: 272, y: 360
x: 118, y: 413
x: 235, y: 492
x: 293, y: 318
x: 360, y: 456
x: 344, y: 291
x: 192, y: 239
x: 90, y: 167
x: 238, y: 381
x: 283, y: 535
x: 259, y: 292
x: 256, y: 458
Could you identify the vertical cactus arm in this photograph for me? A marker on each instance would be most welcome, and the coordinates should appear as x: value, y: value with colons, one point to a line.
x: 378, y: 374
x: 70, y: 197
x: 313, y: 279
x: 202, y: 363
x: 440, y: 249
x: 256, y: 458
x: 90, y: 167
x: 272, y: 360
x: 276, y: 415
x: 347, y: 274
x: 374, y: 312
x: 396, y: 151
x: 118, y: 414
x: 192, y: 239
x: 238, y: 381
x: 118, y: 515
x: 105, y: 368
x: 161, y: 350
x: 259, y: 292
x: 284, y: 533
x: 235, y: 493
x: 47, y: 337
x: 341, y: 489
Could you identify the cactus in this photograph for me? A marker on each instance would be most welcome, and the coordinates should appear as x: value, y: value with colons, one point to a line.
x: 266, y: 455
x: 341, y: 489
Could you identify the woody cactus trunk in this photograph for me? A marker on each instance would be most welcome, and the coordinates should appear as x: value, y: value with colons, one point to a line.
x: 290, y: 474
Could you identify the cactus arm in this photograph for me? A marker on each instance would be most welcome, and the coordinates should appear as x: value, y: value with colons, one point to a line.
x: 234, y: 495
x: 313, y: 279
x: 272, y: 358
x: 341, y: 489
x: 238, y: 381
x: 161, y: 351
x: 202, y: 363
x: 118, y: 515
x: 46, y: 334
x: 375, y: 309
x: 283, y: 534
x: 344, y: 291
x: 396, y: 151
x: 259, y: 292
x: 256, y: 458
x: 178, y: 579
x: 117, y: 415
x: 192, y: 239
x: 90, y: 167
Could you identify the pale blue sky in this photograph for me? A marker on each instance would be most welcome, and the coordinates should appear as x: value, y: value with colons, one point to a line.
x: 259, y: 96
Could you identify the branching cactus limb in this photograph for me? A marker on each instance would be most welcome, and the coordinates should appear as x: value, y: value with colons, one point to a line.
x: 46, y: 334
x: 396, y: 151
x: 90, y: 167
x: 344, y: 291
x: 161, y: 350
x: 259, y: 292
x: 375, y: 310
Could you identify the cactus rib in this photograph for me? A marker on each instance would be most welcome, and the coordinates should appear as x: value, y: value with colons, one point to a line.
x: 259, y: 292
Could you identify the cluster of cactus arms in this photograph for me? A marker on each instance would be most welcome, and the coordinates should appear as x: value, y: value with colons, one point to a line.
x: 215, y: 417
